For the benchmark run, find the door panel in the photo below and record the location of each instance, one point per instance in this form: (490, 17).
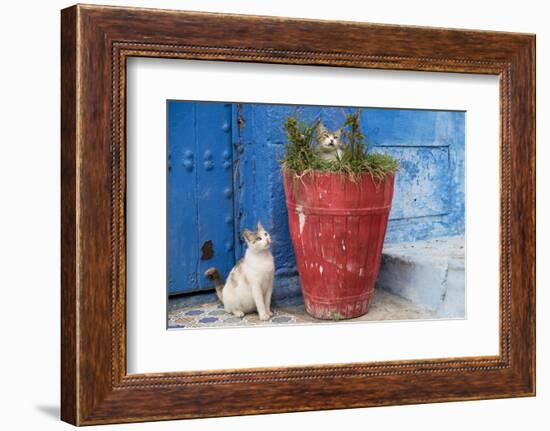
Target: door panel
(200, 193)
(214, 189)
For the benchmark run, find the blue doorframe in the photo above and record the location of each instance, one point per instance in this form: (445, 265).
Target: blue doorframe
(201, 228)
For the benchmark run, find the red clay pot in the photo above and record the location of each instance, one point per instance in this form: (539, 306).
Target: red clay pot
(337, 228)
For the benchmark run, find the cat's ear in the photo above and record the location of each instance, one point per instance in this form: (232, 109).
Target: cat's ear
(247, 235)
(259, 227)
(321, 127)
(338, 133)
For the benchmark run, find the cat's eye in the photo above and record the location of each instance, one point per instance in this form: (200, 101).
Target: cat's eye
(258, 239)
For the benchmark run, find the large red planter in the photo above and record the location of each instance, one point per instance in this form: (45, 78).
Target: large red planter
(337, 228)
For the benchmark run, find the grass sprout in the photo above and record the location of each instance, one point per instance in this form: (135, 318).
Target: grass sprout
(302, 154)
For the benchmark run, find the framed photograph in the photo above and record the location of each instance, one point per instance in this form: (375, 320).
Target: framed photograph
(329, 214)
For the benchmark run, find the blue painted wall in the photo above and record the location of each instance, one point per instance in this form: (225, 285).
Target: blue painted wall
(429, 192)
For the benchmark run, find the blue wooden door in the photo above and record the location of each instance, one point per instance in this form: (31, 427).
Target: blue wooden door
(200, 193)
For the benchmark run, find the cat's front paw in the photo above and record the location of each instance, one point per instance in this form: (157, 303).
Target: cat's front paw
(270, 313)
(265, 316)
(238, 313)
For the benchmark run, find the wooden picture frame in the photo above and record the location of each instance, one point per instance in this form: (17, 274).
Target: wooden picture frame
(95, 43)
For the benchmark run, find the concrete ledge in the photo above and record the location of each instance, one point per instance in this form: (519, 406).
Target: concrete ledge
(429, 273)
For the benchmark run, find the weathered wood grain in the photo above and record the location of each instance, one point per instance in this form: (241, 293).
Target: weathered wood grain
(96, 41)
(69, 331)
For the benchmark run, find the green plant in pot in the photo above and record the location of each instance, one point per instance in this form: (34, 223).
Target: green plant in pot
(338, 197)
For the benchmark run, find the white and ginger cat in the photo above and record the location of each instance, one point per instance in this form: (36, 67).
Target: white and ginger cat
(249, 285)
(329, 143)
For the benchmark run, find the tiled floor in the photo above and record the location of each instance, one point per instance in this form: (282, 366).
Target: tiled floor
(204, 311)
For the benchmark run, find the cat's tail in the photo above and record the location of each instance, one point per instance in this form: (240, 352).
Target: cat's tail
(214, 275)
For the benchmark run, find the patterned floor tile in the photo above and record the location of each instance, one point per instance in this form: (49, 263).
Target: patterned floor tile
(209, 313)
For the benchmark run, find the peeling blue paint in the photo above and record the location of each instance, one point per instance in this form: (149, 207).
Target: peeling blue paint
(429, 190)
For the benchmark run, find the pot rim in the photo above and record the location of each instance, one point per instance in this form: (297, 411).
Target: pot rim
(315, 172)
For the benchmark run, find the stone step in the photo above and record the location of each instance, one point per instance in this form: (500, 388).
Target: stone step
(429, 273)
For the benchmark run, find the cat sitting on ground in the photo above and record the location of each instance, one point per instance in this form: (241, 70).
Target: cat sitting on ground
(329, 143)
(249, 285)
